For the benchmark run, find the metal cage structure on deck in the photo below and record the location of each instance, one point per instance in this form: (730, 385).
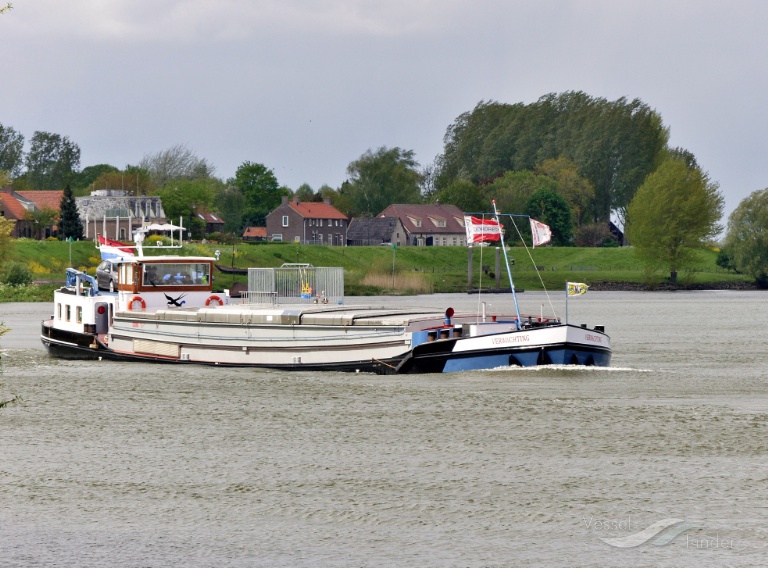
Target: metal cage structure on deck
(295, 284)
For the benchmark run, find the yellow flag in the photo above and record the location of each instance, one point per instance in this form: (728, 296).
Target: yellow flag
(576, 288)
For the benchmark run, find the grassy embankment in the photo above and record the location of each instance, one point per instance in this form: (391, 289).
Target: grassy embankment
(369, 270)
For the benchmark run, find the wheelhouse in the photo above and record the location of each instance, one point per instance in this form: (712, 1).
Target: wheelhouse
(177, 273)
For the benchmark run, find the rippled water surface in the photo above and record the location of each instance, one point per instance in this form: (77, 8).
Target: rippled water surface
(126, 464)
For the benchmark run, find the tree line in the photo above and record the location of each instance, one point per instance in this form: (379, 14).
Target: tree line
(571, 160)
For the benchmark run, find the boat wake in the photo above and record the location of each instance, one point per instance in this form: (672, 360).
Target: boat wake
(572, 369)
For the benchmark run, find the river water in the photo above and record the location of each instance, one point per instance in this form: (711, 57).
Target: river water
(128, 464)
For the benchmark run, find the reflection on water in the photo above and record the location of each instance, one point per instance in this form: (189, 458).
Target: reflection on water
(107, 464)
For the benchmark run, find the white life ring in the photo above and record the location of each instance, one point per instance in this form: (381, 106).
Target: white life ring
(138, 299)
(215, 300)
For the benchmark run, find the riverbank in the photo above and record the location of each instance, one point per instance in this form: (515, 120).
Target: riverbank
(669, 287)
(372, 271)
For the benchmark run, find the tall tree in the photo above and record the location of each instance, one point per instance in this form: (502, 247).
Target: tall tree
(305, 192)
(52, 161)
(133, 180)
(552, 209)
(229, 203)
(336, 197)
(577, 191)
(673, 213)
(260, 190)
(379, 179)
(614, 145)
(176, 162)
(513, 190)
(84, 181)
(70, 224)
(746, 242)
(181, 197)
(465, 195)
(11, 150)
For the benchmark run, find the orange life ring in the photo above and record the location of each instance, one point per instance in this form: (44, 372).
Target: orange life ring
(137, 299)
(214, 300)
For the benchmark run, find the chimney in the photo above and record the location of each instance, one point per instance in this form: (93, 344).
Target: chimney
(285, 200)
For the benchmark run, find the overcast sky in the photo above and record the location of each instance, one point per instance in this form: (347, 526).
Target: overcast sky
(307, 86)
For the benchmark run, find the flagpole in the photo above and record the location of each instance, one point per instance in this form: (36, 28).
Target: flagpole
(506, 261)
(566, 303)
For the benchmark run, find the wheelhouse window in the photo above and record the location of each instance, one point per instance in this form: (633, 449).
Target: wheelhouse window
(177, 274)
(126, 273)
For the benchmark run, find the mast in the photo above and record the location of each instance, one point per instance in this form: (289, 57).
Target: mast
(506, 262)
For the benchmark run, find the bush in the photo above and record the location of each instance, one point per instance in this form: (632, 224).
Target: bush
(27, 293)
(155, 240)
(216, 237)
(16, 274)
(725, 260)
(592, 235)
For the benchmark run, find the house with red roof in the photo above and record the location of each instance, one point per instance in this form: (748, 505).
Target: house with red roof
(429, 224)
(254, 234)
(213, 223)
(27, 208)
(310, 222)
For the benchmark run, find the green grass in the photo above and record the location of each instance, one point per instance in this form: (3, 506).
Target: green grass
(444, 268)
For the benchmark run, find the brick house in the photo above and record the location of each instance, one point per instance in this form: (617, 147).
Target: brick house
(20, 206)
(308, 223)
(429, 225)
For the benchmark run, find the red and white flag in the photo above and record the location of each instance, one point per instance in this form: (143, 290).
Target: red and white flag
(111, 250)
(541, 233)
(481, 230)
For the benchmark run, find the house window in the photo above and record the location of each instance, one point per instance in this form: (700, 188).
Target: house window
(437, 222)
(321, 222)
(297, 239)
(277, 237)
(285, 221)
(330, 238)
